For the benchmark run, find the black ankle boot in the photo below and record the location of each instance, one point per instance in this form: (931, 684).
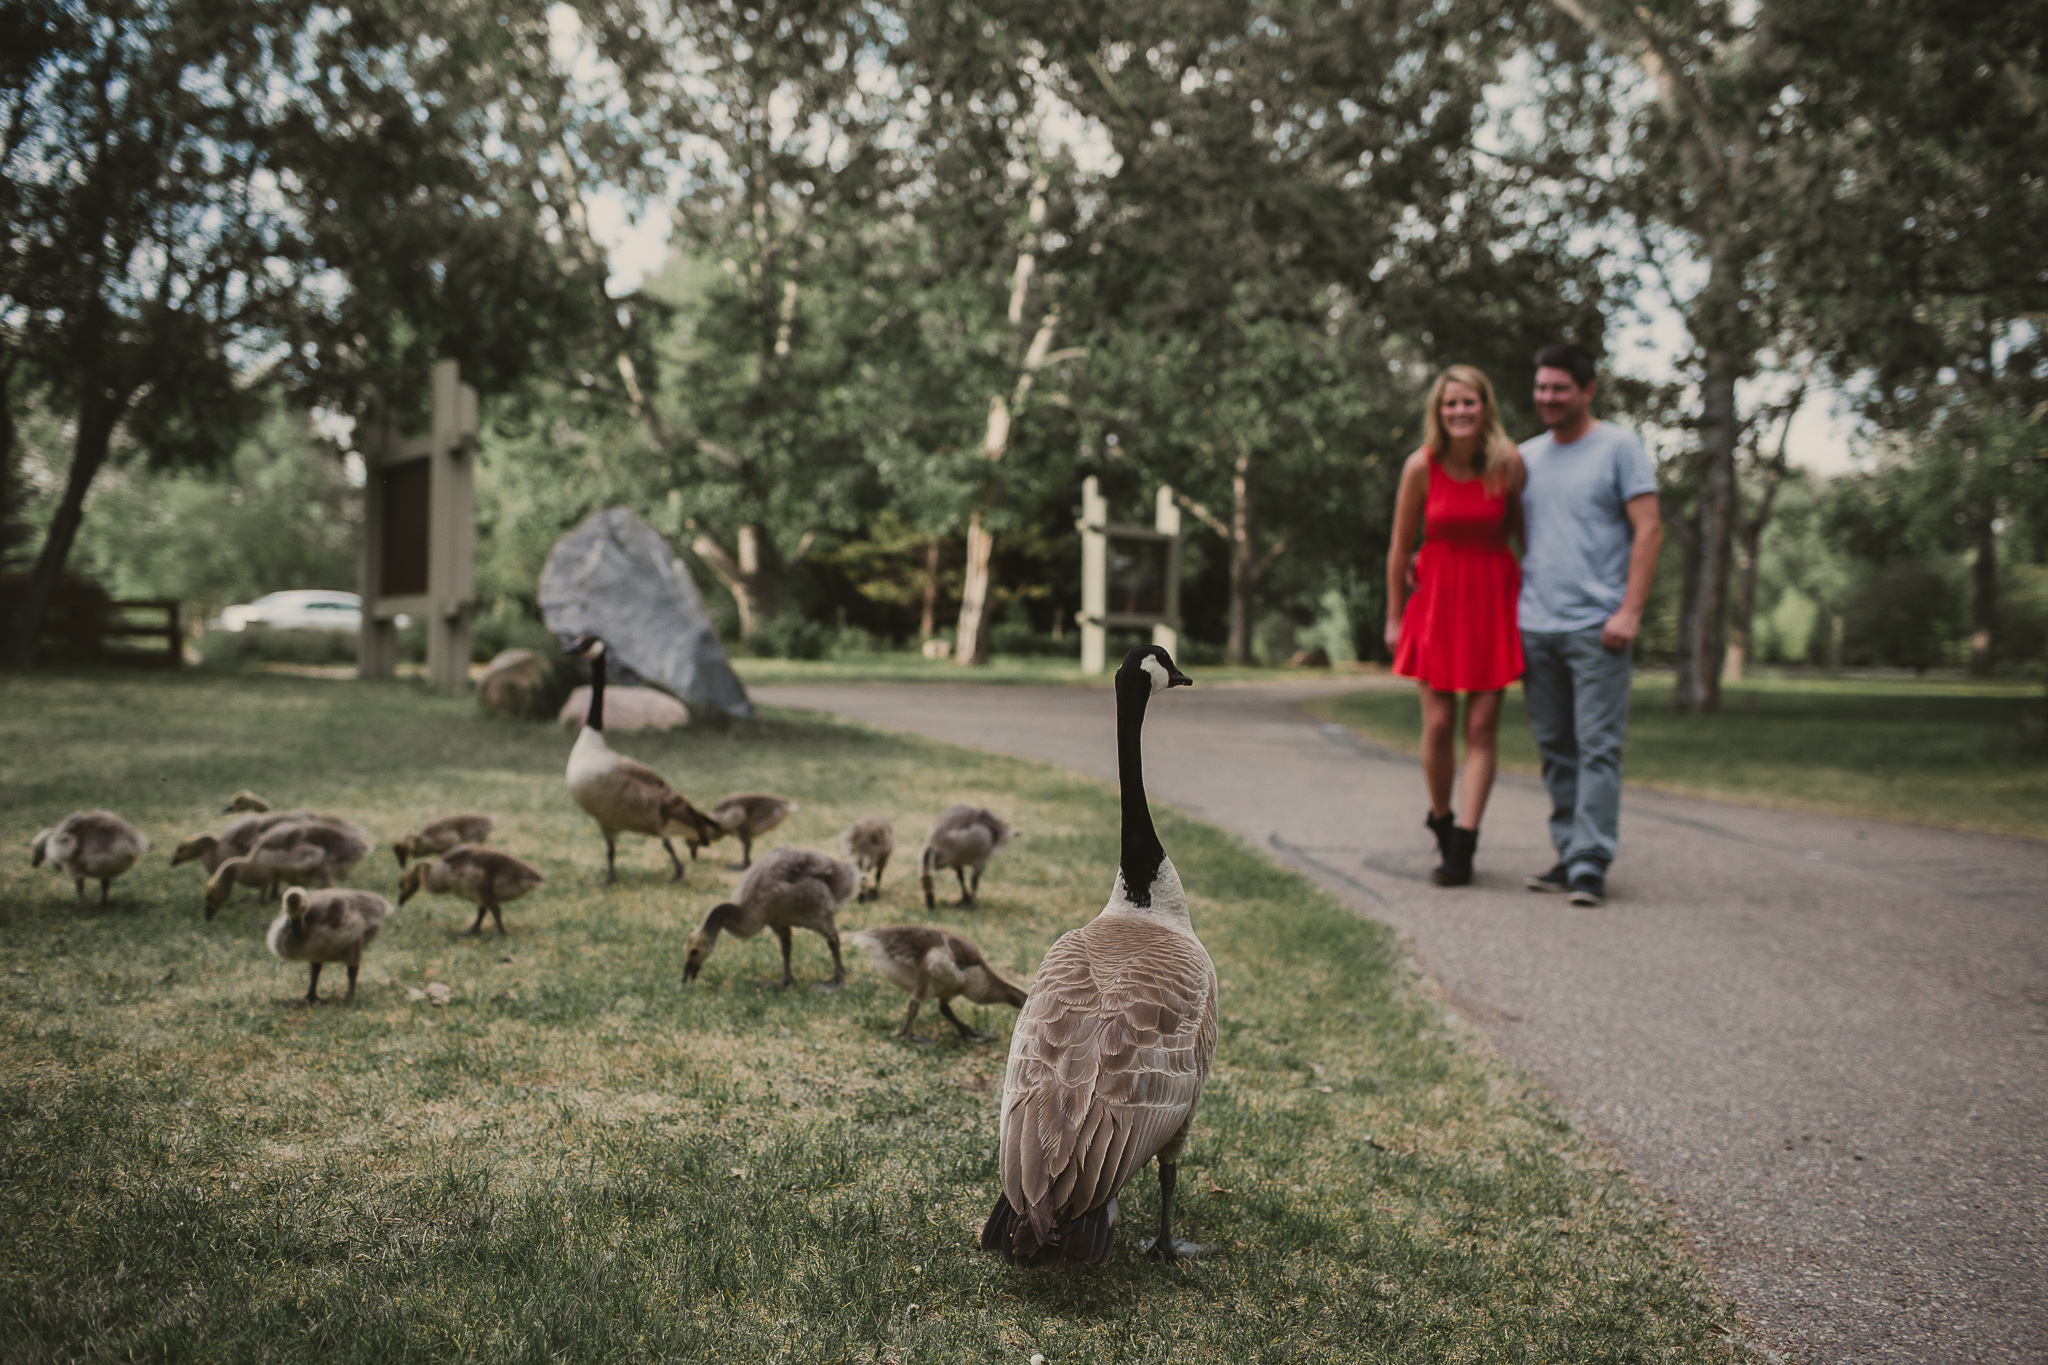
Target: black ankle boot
(1440, 826)
(1459, 847)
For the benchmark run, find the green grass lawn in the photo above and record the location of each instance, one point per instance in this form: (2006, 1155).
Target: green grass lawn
(1967, 755)
(580, 1158)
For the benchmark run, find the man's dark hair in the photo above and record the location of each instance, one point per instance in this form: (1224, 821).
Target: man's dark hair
(1576, 360)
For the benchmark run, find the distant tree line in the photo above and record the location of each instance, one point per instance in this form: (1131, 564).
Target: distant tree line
(935, 263)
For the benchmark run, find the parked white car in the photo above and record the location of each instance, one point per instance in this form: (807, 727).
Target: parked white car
(299, 609)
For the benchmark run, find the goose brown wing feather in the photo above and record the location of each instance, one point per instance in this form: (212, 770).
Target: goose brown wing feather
(1108, 1060)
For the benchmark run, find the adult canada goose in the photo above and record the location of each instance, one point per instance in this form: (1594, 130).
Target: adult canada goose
(749, 815)
(621, 795)
(438, 836)
(1110, 1054)
(964, 837)
(89, 843)
(933, 964)
(297, 853)
(871, 840)
(319, 927)
(484, 877)
(790, 888)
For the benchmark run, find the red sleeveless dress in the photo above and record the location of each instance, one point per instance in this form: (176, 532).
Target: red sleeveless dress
(1459, 633)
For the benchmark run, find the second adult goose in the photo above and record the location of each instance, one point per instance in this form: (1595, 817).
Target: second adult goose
(1110, 1054)
(621, 795)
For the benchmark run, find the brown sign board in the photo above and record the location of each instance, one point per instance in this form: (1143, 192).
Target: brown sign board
(407, 507)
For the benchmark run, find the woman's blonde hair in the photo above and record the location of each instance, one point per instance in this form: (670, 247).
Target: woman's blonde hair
(1497, 459)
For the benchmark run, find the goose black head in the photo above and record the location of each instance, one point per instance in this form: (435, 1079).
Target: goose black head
(1151, 669)
(584, 646)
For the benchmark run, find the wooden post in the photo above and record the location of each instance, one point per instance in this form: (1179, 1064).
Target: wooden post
(419, 536)
(1096, 616)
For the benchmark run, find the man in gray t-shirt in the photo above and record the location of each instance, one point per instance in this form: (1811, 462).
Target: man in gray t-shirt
(1592, 531)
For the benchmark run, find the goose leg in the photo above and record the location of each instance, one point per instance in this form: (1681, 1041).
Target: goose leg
(106, 889)
(966, 896)
(674, 861)
(971, 1035)
(1165, 1247)
(497, 918)
(478, 927)
(746, 854)
(881, 865)
(838, 966)
(313, 986)
(788, 977)
(916, 999)
(353, 968)
(974, 894)
(78, 885)
(611, 861)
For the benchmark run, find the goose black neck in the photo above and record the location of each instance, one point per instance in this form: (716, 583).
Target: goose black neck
(1142, 852)
(594, 718)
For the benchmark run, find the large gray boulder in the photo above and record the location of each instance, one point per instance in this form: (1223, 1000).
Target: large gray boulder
(615, 576)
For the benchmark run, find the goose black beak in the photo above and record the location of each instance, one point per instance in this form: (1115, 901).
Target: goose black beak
(1179, 679)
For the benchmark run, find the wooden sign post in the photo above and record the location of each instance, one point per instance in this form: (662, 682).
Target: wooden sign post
(1130, 576)
(419, 536)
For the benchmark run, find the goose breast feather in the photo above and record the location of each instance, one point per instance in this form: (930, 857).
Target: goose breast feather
(1107, 1062)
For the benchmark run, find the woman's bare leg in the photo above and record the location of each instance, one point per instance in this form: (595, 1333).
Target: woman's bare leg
(1482, 733)
(1439, 745)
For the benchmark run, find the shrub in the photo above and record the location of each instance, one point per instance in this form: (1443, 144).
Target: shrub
(231, 650)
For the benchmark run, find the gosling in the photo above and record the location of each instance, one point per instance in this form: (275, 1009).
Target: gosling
(791, 888)
(438, 836)
(306, 853)
(319, 927)
(964, 837)
(871, 840)
(933, 964)
(90, 843)
(482, 876)
(746, 814)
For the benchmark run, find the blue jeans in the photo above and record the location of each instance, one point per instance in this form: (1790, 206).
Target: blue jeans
(1577, 691)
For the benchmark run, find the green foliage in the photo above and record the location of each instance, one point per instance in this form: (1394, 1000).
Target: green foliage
(278, 514)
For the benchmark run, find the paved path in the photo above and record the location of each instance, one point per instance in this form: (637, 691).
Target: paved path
(1826, 1040)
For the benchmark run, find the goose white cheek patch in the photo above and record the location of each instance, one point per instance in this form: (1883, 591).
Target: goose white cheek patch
(1151, 666)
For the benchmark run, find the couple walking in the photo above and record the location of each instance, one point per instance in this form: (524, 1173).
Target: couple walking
(1581, 501)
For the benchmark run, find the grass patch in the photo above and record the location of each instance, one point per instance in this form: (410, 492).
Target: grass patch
(581, 1158)
(1963, 755)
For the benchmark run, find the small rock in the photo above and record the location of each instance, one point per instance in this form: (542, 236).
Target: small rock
(438, 993)
(415, 993)
(510, 683)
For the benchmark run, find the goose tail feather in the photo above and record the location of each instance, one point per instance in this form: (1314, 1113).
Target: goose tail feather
(1037, 1243)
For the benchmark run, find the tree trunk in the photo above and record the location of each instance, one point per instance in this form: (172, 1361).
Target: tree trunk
(1983, 598)
(1716, 526)
(1685, 696)
(977, 595)
(754, 577)
(1243, 573)
(10, 484)
(1743, 618)
(927, 624)
(97, 418)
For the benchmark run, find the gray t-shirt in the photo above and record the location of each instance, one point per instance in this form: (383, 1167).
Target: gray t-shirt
(1574, 509)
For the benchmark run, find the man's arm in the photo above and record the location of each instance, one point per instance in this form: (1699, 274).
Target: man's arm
(1621, 628)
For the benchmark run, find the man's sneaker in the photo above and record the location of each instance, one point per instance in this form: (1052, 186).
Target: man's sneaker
(1557, 879)
(1589, 888)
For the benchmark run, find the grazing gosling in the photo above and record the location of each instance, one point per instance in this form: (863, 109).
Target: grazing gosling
(747, 814)
(933, 964)
(484, 877)
(90, 843)
(245, 800)
(871, 840)
(791, 888)
(318, 927)
(964, 837)
(438, 836)
(297, 853)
